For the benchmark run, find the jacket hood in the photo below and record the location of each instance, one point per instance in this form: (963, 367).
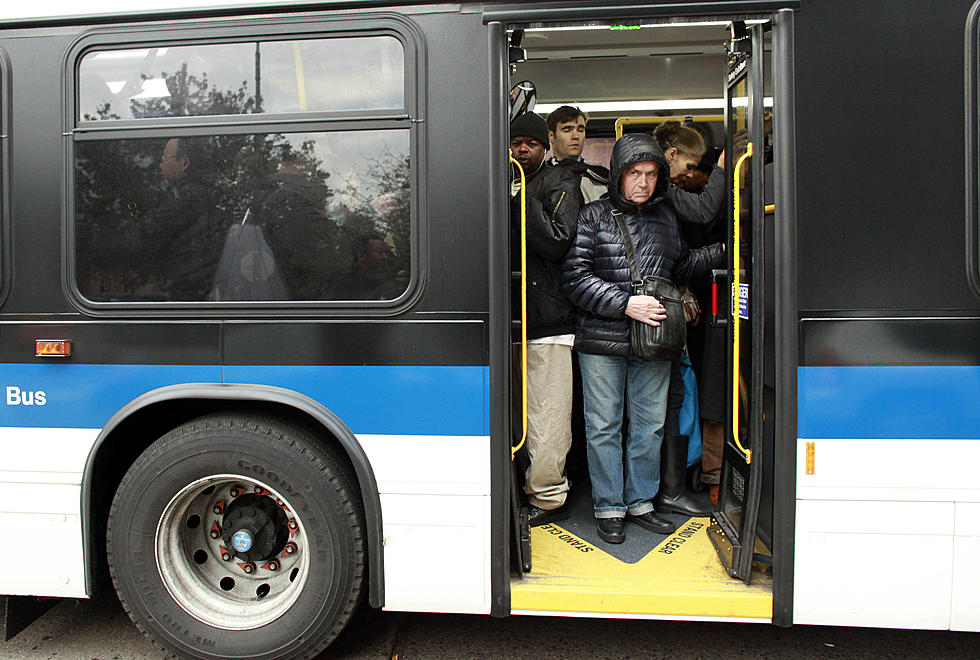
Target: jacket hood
(634, 148)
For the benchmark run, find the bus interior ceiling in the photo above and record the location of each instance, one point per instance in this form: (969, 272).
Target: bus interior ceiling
(664, 71)
(680, 70)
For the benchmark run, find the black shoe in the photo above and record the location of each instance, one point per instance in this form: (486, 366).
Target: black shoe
(611, 530)
(654, 523)
(536, 516)
(684, 503)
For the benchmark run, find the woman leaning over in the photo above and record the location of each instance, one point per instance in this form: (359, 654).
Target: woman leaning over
(625, 471)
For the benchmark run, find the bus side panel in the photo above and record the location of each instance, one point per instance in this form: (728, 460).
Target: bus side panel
(966, 568)
(886, 482)
(40, 519)
(425, 431)
(889, 410)
(415, 388)
(49, 421)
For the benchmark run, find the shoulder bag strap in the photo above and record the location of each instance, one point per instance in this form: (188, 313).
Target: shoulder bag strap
(628, 241)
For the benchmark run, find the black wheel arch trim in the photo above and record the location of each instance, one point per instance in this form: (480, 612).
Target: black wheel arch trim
(254, 393)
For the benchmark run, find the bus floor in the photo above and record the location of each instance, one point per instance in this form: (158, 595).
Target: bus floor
(677, 576)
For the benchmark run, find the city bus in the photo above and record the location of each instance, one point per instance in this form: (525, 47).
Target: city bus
(256, 321)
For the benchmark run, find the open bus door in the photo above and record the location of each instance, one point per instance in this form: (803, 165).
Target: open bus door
(734, 529)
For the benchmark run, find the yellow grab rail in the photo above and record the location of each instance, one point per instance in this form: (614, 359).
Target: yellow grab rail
(623, 121)
(737, 284)
(517, 448)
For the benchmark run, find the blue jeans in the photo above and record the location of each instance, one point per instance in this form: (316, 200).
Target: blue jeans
(625, 475)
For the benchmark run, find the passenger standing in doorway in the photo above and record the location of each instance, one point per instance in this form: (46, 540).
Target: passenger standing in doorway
(683, 148)
(625, 471)
(566, 130)
(702, 216)
(708, 340)
(552, 205)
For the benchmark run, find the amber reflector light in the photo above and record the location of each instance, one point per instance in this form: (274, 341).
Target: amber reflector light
(52, 347)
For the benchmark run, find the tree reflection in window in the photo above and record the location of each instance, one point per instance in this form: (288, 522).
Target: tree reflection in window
(153, 217)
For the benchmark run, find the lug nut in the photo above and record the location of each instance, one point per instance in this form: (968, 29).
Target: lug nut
(234, 492)
(225, 555)
(248, 567)
(292, 524)
(219, 507)
(280, 503)
(259, 490)
(272, 565)
(215, 533)
(290, 548)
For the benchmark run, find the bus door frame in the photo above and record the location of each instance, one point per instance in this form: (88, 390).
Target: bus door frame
(498, 19)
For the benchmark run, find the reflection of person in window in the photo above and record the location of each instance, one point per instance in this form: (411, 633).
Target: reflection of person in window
(184, 233)
(369, 276)
(290, 206)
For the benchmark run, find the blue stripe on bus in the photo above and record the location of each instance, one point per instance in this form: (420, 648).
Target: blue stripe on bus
(403, 400)
(388, 400)
(889, 402)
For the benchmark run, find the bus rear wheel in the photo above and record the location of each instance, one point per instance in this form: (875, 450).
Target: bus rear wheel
(234, 536)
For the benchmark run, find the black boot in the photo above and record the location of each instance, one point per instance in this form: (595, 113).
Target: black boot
(672, 497)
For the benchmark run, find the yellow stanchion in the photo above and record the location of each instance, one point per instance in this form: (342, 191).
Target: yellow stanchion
(736, 323)
(517, 448)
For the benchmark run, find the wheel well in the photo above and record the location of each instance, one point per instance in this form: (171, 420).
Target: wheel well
(123, 444)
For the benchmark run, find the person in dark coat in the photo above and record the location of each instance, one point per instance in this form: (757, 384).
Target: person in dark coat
(552, 204)
(625, 471)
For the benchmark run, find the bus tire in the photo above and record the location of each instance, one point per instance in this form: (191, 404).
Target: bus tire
(238, 536)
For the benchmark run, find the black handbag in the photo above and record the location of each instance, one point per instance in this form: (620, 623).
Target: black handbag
(661, 342)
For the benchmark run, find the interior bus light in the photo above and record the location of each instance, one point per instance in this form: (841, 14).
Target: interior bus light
(662, 24)
(52, 347)
(653, 105)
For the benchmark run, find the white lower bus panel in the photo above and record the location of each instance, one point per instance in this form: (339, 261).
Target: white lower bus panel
(966, 568)
(435, 508)
(40, 506)
(885, 534)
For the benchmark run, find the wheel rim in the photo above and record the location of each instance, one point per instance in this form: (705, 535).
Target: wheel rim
(232, 552)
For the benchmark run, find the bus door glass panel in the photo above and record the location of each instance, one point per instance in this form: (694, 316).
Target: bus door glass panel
(742, 456)
(734, 503)
(164, 219)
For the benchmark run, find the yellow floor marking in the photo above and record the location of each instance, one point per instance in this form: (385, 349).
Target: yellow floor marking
(680, 577)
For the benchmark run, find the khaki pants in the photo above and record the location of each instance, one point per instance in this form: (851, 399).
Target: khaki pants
(549, 421)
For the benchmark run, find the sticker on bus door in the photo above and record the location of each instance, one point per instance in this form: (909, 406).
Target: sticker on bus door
(743, 301)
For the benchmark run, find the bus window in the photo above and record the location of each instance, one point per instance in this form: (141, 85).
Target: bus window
(324, 75)
(325, 215)
(235, 208)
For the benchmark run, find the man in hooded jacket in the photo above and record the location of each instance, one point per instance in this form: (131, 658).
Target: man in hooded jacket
(625, 471)
(552, 204)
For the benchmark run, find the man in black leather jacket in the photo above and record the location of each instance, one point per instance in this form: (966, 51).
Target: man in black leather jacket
(625, 471)
(553, 201)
